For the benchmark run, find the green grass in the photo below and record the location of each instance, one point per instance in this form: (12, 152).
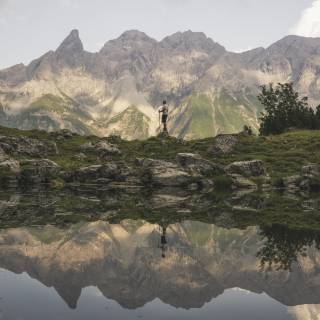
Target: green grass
(283, 154)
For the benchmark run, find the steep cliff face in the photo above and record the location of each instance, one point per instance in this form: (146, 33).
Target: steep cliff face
(125, 262)
(209, 89)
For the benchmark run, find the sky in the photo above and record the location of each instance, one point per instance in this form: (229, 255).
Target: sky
(29, 28)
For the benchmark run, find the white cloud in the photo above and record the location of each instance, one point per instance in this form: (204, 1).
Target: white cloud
(243, 49)
(309, 23)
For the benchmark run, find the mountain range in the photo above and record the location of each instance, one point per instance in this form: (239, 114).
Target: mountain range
(118, 89)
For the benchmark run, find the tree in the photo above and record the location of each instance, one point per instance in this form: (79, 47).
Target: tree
(284, 110)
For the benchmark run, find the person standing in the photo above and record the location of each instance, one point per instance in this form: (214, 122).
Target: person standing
(163, 115)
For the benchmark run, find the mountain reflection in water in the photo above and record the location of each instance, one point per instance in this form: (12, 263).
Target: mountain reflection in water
(135, 269)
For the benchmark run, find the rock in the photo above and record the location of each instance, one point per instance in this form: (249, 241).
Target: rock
(62, 134)
(35, 170)
(253, 168)
(224, 144)
(107, 148)
(240, 182)
(292, 182)
(87, 147)
(3, 155)
(28, 146)
(107, 171)
(310, 171)
(80, 156)
(194, 163)
(10, 166)
(101, 148)
(163, 173)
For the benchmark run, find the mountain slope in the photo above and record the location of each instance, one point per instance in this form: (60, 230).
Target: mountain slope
(209, 90)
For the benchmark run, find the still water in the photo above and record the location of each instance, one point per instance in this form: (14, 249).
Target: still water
(134, 269)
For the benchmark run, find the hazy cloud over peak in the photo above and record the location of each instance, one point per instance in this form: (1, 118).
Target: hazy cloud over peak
(309, 23)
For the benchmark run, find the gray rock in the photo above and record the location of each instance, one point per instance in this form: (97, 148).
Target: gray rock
(3, 155)
(240, 182)
(80, 156)
(253, 168)
(163, 173)
(62, 134)
(28, 146)
(107, 171)
(89, 146)
(107, 148)
(10, 166)
(224, 144)
(310, 170)
(101, 148)
(194, 163)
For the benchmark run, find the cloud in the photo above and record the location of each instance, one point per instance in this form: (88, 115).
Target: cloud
(309, 23)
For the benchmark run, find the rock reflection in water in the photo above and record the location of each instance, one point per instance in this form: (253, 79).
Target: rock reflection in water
(184, 265)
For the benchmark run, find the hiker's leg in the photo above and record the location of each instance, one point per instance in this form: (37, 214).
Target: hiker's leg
(165, 127)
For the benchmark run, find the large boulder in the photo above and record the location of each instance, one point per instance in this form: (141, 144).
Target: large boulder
(108, 172)
(194, 163)
(28, 146)
(252, 168)
(163, 173)
(38, 170)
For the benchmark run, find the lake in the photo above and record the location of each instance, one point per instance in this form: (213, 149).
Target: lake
(173, 266)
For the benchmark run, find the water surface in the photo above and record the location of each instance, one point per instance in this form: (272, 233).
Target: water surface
(134, 269)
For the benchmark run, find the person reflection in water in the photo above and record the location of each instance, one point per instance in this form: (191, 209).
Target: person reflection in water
(163, 240)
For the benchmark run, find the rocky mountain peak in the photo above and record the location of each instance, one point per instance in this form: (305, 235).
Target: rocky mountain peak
(296, 45)
(71, 44)
(190, 40)
(131, 39)
(135, 35)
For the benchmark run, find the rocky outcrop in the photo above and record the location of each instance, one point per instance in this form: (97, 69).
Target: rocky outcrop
(62, 134)
(195, 164)
(38, 171)
(308, 179)
(105, 173)
(10, 166)
(224, 144)
(310, 171)
(23, 145)
(163, 173)
(101, 148)
(3, 155)
(252, 168)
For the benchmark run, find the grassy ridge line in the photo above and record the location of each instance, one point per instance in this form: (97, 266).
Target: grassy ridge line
(284, 154)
